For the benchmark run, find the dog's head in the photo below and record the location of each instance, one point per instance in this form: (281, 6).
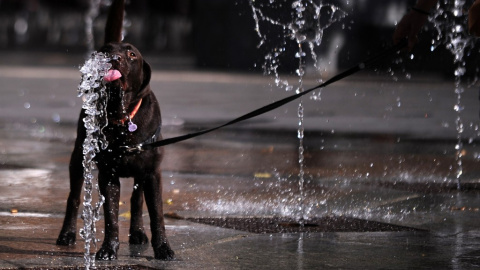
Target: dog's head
(129, 77)
(132, 73)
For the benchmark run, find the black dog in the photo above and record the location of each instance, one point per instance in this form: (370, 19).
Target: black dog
(130, 98)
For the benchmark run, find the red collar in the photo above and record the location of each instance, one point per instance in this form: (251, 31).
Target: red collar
(131, 115)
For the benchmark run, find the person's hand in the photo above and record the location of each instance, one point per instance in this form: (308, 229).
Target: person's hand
(409, 27)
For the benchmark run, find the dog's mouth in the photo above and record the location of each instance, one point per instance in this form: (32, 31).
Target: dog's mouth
(112, 75)
(114, 78)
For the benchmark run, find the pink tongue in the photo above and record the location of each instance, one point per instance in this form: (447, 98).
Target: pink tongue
(112, 75)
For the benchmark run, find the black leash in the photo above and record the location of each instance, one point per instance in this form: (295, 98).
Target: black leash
(366, 64)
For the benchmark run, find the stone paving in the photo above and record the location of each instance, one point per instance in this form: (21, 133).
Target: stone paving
(376, 149)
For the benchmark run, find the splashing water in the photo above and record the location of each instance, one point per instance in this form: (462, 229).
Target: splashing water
(304, 24)
(94, 94)
(450, 23)
(305, 28)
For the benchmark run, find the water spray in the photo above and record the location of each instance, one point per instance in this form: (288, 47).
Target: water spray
(93, 91)
(450, 23)
(305, 29)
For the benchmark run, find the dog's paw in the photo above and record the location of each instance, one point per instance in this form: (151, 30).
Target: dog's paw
(164, 252)
(138, 238)
(66, 239)
(107, 252)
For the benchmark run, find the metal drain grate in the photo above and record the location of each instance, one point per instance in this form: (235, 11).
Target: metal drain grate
(288, 225)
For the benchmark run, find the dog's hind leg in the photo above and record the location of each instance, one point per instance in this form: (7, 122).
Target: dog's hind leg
(137, 231)
(110, 188)
(153, 198)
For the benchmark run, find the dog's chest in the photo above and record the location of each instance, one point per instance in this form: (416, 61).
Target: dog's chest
(118, 134)
(117, 162)
(113, 156)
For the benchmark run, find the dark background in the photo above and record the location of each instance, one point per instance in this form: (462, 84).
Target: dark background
(215, 34)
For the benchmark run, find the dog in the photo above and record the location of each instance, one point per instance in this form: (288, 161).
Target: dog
(130, 99)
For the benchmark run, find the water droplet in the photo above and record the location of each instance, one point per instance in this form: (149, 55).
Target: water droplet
(56, 118)
(460, 71)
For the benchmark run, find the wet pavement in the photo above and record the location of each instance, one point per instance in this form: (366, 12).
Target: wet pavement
(377, 149)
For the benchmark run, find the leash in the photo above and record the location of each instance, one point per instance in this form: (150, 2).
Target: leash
(132, 149)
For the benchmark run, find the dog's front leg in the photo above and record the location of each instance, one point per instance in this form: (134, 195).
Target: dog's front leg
(68, 233)
(153, 198)
(110, 189)
(137, 231)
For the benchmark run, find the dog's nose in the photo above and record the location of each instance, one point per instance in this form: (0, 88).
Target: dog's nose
(116, 57)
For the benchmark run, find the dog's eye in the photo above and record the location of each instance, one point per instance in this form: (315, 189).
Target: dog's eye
(132, 54)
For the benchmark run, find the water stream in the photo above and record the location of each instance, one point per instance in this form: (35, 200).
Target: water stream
(450, 22)
(305, 29)
(94, 94)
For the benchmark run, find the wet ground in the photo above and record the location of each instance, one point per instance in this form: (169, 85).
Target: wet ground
(378, 151)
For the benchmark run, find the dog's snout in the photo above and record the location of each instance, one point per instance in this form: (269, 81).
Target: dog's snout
(116, 57)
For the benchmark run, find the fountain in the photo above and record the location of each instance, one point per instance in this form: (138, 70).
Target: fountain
(305, 29)
(450, 23)
(93, 91)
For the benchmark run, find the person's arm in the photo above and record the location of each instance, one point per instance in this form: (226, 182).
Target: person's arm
(411, 24)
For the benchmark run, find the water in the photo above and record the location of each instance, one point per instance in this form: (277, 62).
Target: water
(94, 94)
(305, 28)
(279, 24)
(450, 22)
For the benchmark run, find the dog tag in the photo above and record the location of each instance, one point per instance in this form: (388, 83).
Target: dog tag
(132, 127)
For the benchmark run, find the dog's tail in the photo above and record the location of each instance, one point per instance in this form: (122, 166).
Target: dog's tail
(113, 28)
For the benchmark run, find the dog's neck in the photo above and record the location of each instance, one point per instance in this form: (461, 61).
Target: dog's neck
(132, 114)
(129, 115)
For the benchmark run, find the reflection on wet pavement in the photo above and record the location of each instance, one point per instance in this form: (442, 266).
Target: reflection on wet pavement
(231, 173)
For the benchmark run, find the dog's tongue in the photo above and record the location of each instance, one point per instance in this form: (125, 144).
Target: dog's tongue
(112, 75)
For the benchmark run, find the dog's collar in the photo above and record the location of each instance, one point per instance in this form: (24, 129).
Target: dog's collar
(130, 116)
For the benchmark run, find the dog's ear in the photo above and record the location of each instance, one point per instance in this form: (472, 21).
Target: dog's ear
(147, 74)
(113, 28)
